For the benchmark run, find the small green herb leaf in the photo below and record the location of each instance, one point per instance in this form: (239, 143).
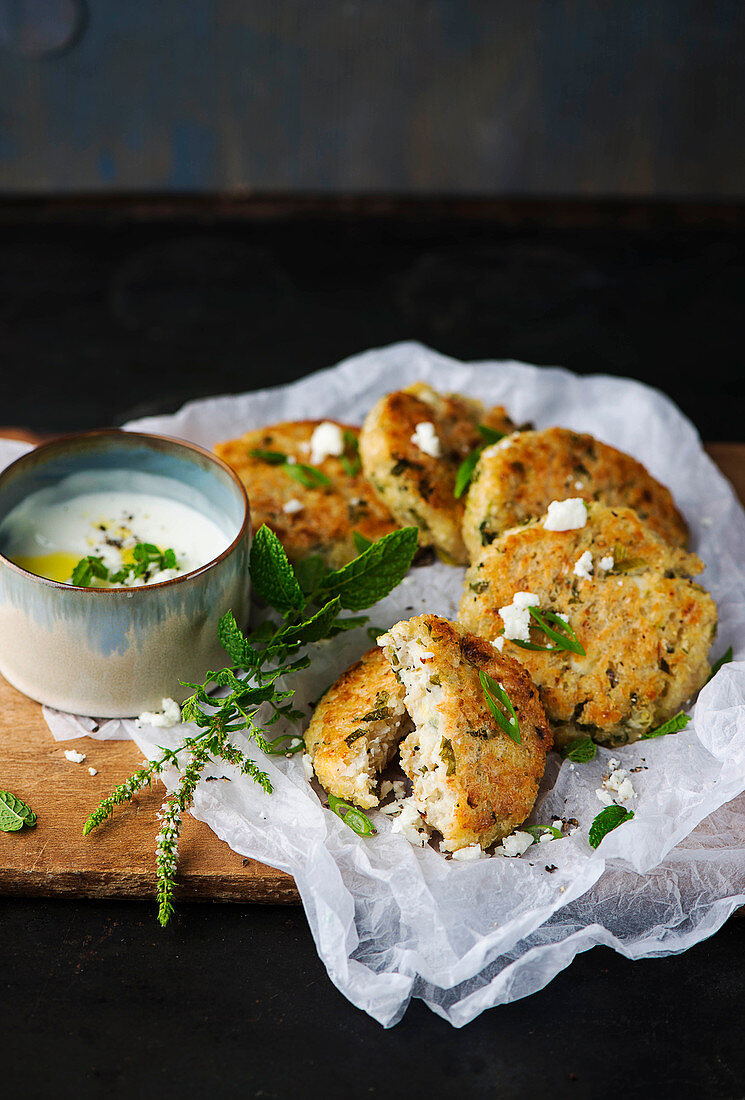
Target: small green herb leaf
(312, 629)
(273, 458)
(537, 831)
(489, 435)
(88, 568)
(310, 572)
(350, 460)
(723, 660)
(272, 575)
(606, 821)
(309, 476)
(673, 725)
(357, 821)
(360, 542)
(14, 814)
(465, 472)
(580, 751)
(376, 572)
(494, 691)
(235, 642)
(285, 745)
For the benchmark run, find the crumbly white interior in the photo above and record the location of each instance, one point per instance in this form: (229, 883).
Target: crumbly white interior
(371, 752)
(432, 794)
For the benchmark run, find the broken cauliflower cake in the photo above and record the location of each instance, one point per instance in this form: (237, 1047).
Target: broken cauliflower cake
(471, 781)
(356, 728)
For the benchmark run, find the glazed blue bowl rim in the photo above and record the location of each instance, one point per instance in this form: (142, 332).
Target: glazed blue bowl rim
(144, 438)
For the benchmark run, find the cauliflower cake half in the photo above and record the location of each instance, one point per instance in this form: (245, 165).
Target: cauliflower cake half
(412, 444)
(304, 480)
(517, 478)
(471, 781)
(356, 728)
(645, 626)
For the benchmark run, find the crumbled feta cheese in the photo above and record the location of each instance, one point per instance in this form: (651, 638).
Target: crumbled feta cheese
(517, 843)
(327, 439)
(557, 823)
(473, 851)
(291, 460)
(168, 715)
(498, 643)
(706, 521)
(92, 771)
(617, 787)
(426, 439)
(604, 796)
(74, 757)
(583, 566)
(606, 562)
(566, 515)
(307, 766)
(579, 485)
(516, 617)
(411, 825)
(292, 506)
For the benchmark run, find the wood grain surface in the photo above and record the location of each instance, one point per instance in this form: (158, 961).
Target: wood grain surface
(117, 860)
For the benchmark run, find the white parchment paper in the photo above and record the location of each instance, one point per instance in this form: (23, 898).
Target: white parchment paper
(392, 922)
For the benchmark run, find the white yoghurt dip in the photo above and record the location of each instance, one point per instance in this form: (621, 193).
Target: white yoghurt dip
(52, 529)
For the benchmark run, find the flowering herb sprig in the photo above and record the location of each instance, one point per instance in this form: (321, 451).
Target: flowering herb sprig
(310, 600)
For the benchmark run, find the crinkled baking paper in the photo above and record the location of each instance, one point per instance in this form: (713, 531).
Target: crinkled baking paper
(393, 922)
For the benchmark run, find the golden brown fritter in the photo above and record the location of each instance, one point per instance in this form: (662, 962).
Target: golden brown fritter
(471, 780)
(516, 480)
(645, 626)
(418, 487)
(355, 729)
(317, 520)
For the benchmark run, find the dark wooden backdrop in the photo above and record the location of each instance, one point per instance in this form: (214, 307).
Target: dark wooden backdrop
(486, 97)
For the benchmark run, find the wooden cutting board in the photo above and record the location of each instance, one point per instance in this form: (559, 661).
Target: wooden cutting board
(117, 860)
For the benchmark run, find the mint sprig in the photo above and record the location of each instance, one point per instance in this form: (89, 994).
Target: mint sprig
(310, 601)
(606, 821)
(580, 751)
(673, 725)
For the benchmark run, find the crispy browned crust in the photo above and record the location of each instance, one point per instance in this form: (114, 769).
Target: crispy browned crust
(416, 487)
(330, 514)
(495, 781)
(341, 735)
(645, 625)
(516, 483)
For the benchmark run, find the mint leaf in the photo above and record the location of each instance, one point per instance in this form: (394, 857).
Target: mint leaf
(88, 568)
(465, 472)
(581, 751)
(272, 458)
(235, 643)
(376, 572)
(494, 691)
(312, 630)
(673, 725)
(14, 814)
(360, 542)
(271, 573)
(606, 821)
(310, 572)
(308, 476)
(723, 660)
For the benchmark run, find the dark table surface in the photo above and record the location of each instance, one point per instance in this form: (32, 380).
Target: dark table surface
(108, 312)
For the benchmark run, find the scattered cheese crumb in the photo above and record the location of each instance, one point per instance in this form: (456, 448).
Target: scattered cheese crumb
(557, 823)
(706, 521)
(517, 843)
(92, 771)
(606, 562)
(617, 787)
(292, 506)
(426, 439)
(327, 439)
(74, 757)
(516, 617)
(411, 824)
(566, 515)
(168, 715)
(307, 766)
(473, 851)
(498, 643)
(579, 485)
(583, 566)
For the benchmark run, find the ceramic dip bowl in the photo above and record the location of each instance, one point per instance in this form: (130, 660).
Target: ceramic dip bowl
(117, 651)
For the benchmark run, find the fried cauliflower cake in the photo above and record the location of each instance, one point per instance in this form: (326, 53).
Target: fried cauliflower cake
(315, 500)
(516, 479)
(645, 626)
(411, 445)
(472, 782)
(356, 728)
